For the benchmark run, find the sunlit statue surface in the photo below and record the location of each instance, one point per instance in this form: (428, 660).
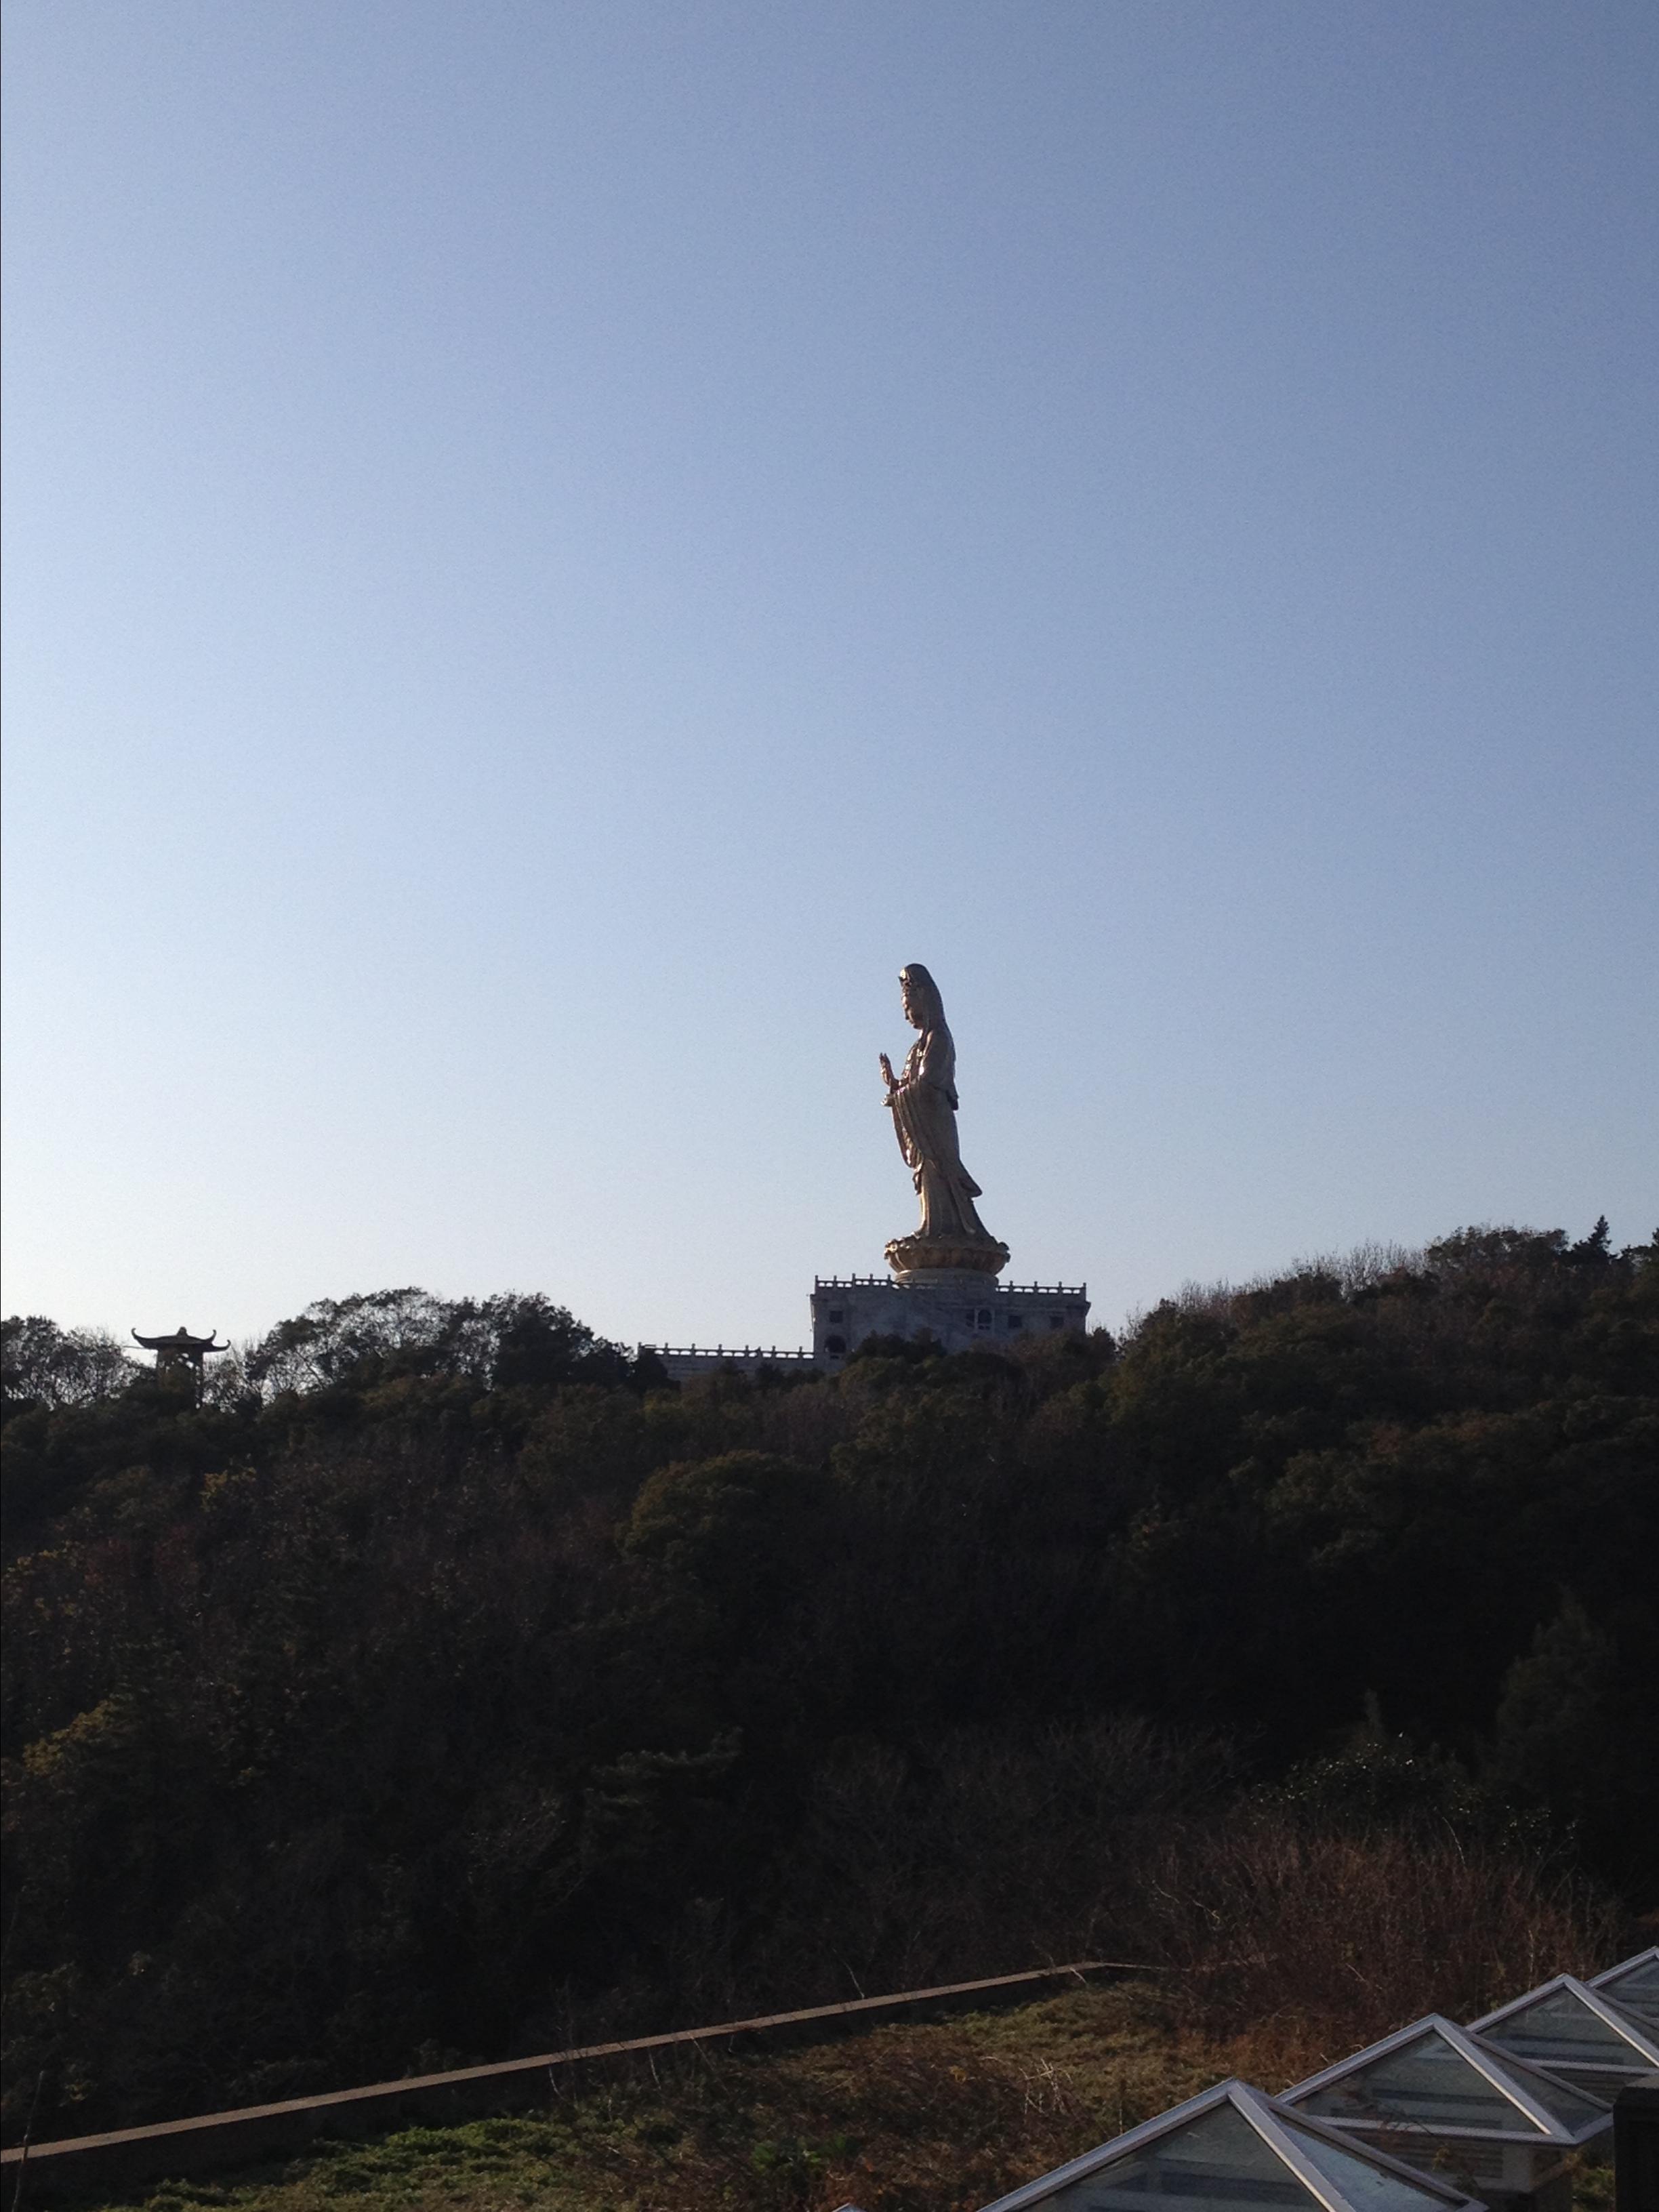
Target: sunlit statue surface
(922, 1098)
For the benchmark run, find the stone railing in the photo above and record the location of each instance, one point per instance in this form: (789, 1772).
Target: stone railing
(746, 1352)
(1003, 1290)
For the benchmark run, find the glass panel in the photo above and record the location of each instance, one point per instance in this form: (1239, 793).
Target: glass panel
(1636, 1990)
(1427, 2083)
(1366, 2187)
(1218, 2161)
(1568, 2105)
(1560, 2028)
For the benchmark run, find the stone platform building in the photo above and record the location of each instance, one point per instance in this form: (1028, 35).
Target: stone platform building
(957, 1314)
(848, 1309)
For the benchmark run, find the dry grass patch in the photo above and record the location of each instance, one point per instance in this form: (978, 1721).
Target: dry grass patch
(1304, 1945)
(921, 2117)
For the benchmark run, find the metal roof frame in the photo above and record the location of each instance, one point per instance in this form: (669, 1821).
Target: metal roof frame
(1498, 2068)
(1648, 1958)
(1644, 2046)
(1263, 2114)
(1605, 1981)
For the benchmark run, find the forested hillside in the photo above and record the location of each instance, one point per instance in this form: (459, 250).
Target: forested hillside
(448, 1685)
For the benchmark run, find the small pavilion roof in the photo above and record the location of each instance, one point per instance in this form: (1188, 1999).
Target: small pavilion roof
(1236, 2148)
(180, 1340)
(1566, 2022)
(1437, 2079)
(1634, 1985)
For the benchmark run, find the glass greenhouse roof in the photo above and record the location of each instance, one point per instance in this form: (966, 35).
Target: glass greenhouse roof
(1436, 2077)
(1368, 2186)
(1233, 2148)
(1564, 2024)
(1218, 2160)
(1634, 1985)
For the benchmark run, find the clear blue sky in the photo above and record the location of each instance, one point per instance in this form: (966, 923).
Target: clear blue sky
(552, 547)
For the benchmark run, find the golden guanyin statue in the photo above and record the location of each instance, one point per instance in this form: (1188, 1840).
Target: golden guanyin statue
(922, 1099)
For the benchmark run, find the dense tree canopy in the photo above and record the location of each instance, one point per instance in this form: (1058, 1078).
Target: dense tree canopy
(446, 1679)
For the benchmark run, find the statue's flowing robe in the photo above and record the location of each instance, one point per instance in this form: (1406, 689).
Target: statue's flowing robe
(924, 1104)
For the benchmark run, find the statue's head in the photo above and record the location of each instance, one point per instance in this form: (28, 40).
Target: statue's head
(924, 1009)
